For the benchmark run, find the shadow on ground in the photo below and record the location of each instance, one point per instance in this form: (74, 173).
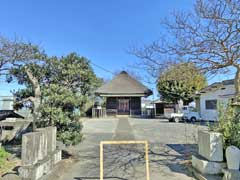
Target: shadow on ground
(185, 150)
(127, 162)
(97, 178)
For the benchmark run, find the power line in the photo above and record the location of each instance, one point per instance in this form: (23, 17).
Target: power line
(104, 69)
(98, 66)
(108, 71)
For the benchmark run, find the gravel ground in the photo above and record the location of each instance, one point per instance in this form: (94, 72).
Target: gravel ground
(170, 148)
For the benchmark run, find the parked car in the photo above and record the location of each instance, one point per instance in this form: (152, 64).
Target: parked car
(176, 117)
(191, 114)
(187, 113)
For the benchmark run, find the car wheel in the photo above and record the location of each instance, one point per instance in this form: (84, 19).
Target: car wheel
(177, 120)
(193, 119)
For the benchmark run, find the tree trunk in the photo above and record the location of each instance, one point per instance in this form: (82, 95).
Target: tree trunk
(36, 100)
(237, 81)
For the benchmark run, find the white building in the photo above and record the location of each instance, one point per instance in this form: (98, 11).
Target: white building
(6, 102)
(210, 97)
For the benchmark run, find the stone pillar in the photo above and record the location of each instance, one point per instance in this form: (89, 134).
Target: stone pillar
(42, 151)
(51, 139)
(30, 148)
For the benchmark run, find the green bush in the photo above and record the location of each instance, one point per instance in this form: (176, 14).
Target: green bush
(229, 125)
(3, 156)
(69, 133)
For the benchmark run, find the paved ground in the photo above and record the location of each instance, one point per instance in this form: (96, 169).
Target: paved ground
(170, 146)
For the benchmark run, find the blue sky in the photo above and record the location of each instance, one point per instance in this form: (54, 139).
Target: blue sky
(101, 30)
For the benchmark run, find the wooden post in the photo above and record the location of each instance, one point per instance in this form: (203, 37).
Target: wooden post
(130, 107)
(93, 112)
(154, 105)
(147, 161)
(101, 161)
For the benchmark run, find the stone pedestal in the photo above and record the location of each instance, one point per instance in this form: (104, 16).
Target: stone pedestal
(207, 167)
(39, 153)
(36, 171)
(210, 145)
(231, 174)
(210, 153)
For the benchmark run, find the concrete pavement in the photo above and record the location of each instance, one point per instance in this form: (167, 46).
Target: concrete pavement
(170, 146)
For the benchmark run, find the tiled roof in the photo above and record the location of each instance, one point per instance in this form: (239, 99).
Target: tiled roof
(217, 85)
(9, 114)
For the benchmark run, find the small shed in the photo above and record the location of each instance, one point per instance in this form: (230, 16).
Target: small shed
(123, 95)
(163, 108)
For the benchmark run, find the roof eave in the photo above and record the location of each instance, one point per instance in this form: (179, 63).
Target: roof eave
(122, 94)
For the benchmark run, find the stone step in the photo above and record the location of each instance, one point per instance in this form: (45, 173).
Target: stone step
(200, 176)
(207, 167)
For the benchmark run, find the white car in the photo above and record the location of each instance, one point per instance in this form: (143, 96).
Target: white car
(187, 114)
(176, 117)
(190, 114)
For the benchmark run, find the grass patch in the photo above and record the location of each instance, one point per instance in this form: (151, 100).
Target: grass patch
(5, 165)
(3, 157)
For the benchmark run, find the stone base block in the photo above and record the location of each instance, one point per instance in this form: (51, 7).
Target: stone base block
(231, 174)
(11, 177)
(57, 156)
(210, 145)
(200, 176)
(36, 171)
(43, 167)
(207, 167)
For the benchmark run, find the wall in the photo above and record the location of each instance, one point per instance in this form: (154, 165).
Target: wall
(159, 109)
(135, 105)
(6, 102)
(111, 103)
(222, 96)
(111, 106)
(15, 128)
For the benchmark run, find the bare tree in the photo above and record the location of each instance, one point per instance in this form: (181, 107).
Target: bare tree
(152, 61)
(20, 55)
(208, 36)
